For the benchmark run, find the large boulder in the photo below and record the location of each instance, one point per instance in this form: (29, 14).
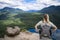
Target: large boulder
(12, 31)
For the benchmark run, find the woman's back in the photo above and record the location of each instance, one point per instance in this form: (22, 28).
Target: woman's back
(45, 27)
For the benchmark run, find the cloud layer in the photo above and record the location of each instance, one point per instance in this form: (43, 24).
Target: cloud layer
(28, 5)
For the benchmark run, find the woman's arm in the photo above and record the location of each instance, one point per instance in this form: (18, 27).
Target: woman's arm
(36, 26)
(53, 26)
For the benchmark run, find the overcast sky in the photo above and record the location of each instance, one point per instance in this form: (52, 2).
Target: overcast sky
(28, 4)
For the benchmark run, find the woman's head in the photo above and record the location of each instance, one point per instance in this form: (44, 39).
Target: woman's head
(46, 17)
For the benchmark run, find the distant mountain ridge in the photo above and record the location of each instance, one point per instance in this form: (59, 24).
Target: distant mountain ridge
(51, 9)
(12, 10)
(32, 11)
(6, 8)
(16, 10)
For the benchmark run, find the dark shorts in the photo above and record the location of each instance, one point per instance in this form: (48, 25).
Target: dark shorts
(42, 30)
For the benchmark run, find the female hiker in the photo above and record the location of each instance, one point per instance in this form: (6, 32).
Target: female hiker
(44, 26)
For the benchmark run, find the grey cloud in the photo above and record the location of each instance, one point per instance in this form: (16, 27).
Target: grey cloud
(4, 3)
(8, 4)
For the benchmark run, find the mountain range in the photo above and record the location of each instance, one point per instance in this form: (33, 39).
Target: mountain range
(51, 9)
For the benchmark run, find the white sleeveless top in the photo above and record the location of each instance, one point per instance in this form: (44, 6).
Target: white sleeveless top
(45, 26)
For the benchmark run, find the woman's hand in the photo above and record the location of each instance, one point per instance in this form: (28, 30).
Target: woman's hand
(53, 30)
(37, 30)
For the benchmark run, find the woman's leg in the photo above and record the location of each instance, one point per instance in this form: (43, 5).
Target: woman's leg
(50, 32)
(40, 34)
